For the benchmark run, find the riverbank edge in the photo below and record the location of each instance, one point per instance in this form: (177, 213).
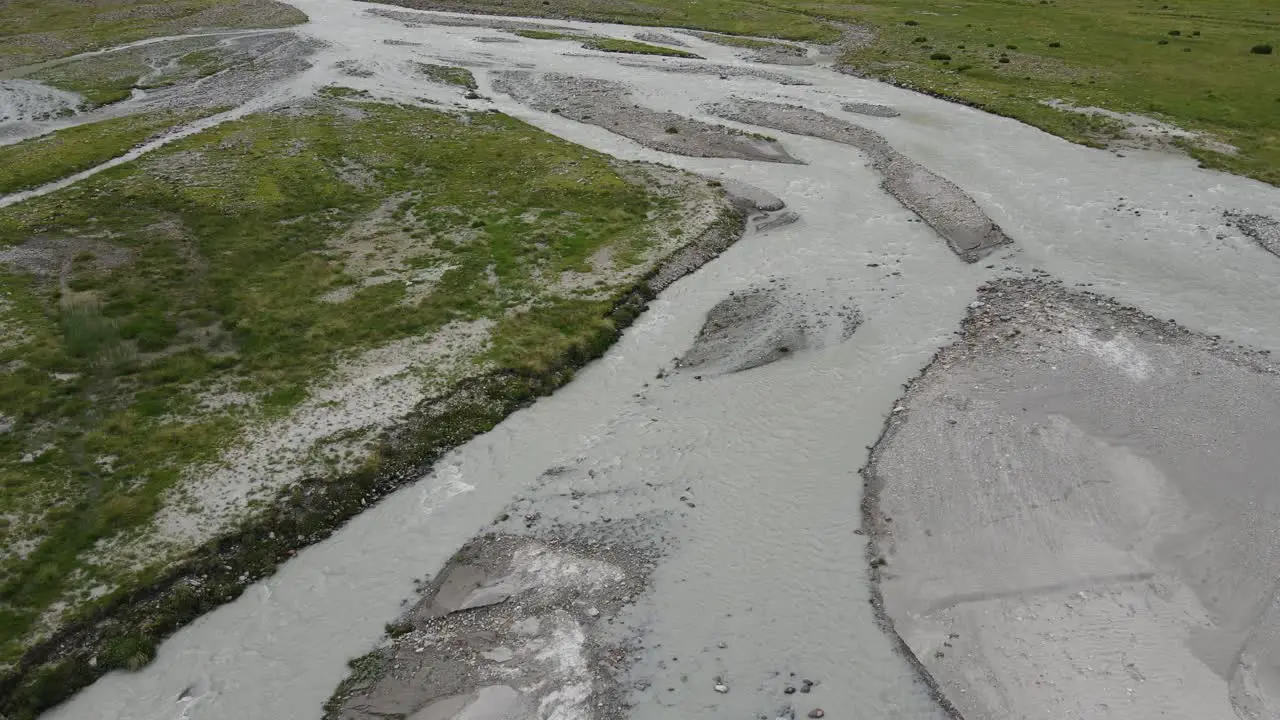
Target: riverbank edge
(874, 527)
(124, 630)
(1206, 158)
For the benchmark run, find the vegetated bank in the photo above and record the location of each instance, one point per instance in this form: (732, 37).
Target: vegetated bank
(607, 44)
(33, 31)
(1193, 65)
(216, 354)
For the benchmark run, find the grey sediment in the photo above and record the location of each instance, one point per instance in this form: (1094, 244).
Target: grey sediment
(123, 629)
(661, 39)
(762, 325)
(870, 109)
(1261, 229)
(769, 51)
(782, 219)
(605, 103)
(523, 616)
(477, 21)
(991, 407)
(724, 71)
(967, 230)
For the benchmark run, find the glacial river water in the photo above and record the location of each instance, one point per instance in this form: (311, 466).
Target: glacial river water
(768, 563)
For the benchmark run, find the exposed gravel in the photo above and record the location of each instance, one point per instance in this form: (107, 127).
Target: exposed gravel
(419, 19)
(513, 627)
(750, 197)
(772, 52)
(1261, 229)
(661, 39)
(870, 109)
(23, 101)
(763, 325)
(607, 104)
(1060, 500)
(939, 202)
(724, 71)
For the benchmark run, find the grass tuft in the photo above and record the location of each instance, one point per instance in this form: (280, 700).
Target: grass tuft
(448, 74)
(637, 48)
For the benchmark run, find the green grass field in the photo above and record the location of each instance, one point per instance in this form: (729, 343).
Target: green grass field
(201, 266)
(1189, 63)
(66, 152)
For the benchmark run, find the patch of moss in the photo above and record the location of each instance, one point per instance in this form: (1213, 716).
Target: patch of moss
(607, 44)
(342, 91)
(547, 35)
(448, 74)
(634, 47)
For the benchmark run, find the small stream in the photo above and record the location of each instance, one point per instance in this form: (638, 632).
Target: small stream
(768, 564)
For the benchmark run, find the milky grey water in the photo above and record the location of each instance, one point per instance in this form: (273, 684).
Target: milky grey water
(768, 563)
